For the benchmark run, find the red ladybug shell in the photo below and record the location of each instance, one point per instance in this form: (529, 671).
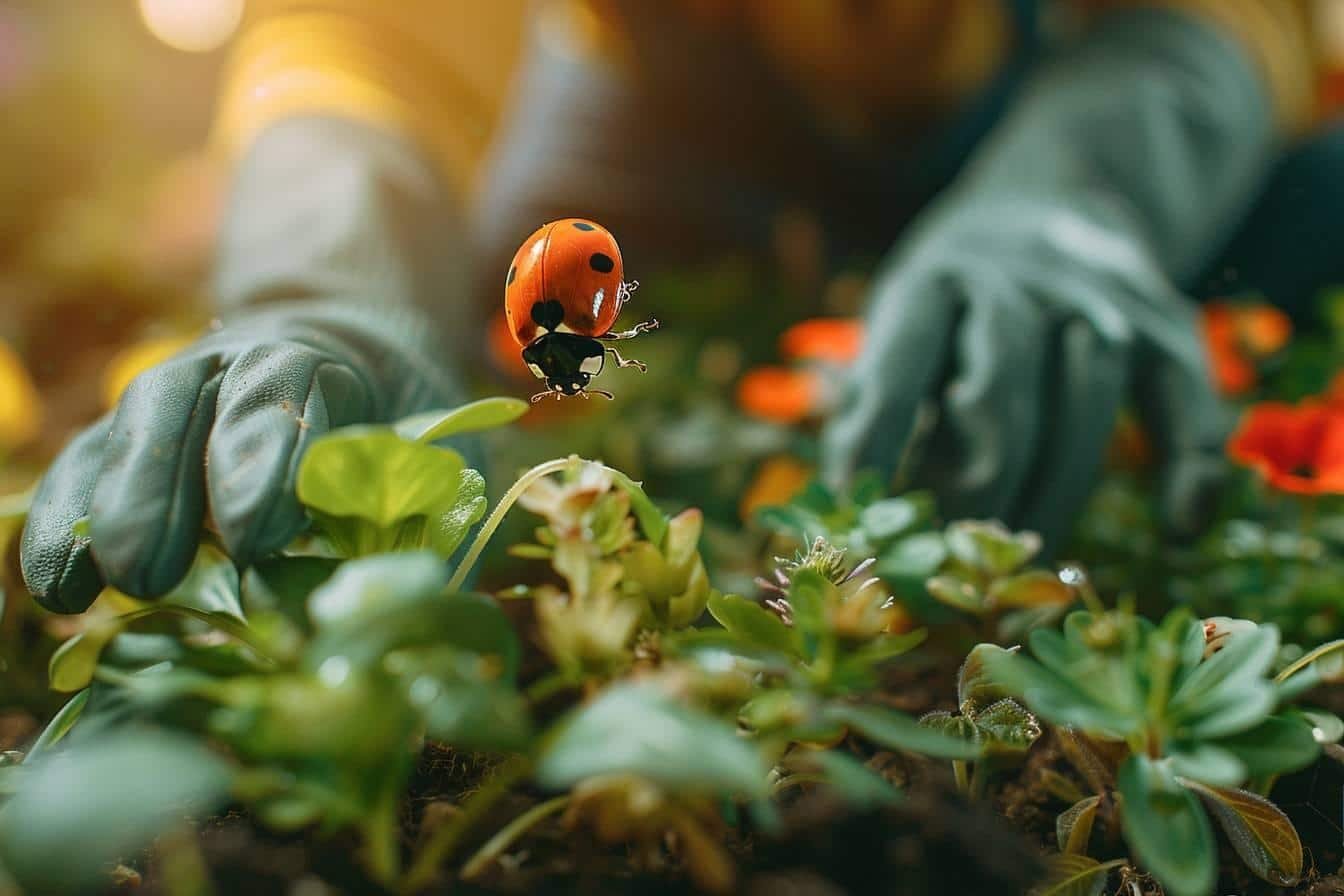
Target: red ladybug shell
(573, 262)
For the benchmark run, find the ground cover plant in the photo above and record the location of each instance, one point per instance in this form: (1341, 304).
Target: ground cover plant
(673, 670)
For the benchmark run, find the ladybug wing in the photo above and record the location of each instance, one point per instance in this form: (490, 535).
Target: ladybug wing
(583, 272)
(524, 287)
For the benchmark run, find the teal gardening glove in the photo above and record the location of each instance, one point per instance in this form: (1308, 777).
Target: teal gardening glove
(335, 242)
(1038, 295)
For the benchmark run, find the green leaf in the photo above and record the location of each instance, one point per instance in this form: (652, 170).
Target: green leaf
(991, 548)
(370, 584)
(1006, 727)
(957, 593)
(371, 474)
(1167, 828)
(913, 558)
(637, 729)
(488, 413)
(807, 598)
(1259, 831)
(897, 731)
(1073, 826)
(72, 664)
(959, 727)
(652, 521)
(283, 584)
(80, 809)
(1239, 666)
(59, 726)
(1208, 763)
(854, 782)
(1072, 875)
(1326, 727)
(1034, 588)
(446, 533)
(467, 622)
(1278, 745)
(470, 715)
(211, 585)
(752, 622)
(976, 687)
(889, 518)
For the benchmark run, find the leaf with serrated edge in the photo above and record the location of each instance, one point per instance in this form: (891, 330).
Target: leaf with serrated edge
(1259, 831)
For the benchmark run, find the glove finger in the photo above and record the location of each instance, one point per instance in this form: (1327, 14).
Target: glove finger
(274, 401)
(1189, 425)
(147, 506)
(1089, 373)
(982, 449)
(906, 345)
(58, 566)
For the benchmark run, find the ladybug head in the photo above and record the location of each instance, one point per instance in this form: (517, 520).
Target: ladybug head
(569, 383)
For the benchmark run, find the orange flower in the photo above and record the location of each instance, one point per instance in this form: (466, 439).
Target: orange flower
(1238, 337)
(1297, 448)
(778, 480)
(779, 394)
(834, 339)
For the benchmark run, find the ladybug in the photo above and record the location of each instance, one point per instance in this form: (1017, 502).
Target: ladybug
(562, 295)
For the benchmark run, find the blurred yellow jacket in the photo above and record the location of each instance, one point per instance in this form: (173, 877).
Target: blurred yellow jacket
(440, 70)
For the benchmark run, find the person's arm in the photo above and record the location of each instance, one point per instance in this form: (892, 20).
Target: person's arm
(342, 284)
(1042, 289)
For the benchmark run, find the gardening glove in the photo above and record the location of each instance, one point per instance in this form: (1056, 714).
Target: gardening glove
(1037, 296)
(338, 215)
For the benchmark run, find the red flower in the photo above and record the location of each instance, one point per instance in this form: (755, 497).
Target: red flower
(1238, 337)
(1297, 448)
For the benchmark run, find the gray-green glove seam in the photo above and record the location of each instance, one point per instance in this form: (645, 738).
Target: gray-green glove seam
(339, 241)
(1038, 293)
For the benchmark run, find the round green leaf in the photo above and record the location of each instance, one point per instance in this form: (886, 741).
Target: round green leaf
(83, 808)
(369, 584)
(372, 474)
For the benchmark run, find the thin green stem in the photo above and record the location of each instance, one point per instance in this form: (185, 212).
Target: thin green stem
(505, 503)
(446, 839)
(509, 834)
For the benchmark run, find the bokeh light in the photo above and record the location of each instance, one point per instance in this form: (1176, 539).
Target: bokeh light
(192, 25)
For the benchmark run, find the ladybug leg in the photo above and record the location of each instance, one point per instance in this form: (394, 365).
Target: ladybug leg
(642, 327)
(622, 362)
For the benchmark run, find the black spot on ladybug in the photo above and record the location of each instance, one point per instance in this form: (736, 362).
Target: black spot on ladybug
(548, 315)
(583, 225)
(601, 262)
(513, 272)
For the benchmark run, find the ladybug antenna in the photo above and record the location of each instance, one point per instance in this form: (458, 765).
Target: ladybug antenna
(625, 289)
(540, 395)
(603, 392)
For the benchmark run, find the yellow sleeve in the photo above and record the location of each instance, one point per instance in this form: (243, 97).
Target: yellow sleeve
(1276, 33)
(437, 71)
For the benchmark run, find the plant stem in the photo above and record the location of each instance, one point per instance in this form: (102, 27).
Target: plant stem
(507, 835)
(959, 772)
(505, 503)
(444, 841)
(549, 684)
